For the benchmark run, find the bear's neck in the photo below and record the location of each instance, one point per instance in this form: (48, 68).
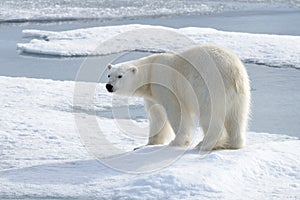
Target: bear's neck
(145, 90)
(145, 70)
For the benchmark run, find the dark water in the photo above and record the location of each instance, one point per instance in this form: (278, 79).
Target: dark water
(12, 64)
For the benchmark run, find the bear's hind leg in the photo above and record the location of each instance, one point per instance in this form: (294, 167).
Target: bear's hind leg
(182, 124)
(236, 132)
(236, 121)
(214, 140)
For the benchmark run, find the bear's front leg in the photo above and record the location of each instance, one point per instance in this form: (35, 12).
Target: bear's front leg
(160, 130)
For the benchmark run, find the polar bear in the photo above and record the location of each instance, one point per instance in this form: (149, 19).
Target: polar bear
(207, 83)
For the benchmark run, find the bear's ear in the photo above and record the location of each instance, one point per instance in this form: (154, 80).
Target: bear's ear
(133, 69)
(109, 66)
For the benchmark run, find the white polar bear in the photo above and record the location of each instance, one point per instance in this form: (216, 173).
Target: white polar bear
(208, 82)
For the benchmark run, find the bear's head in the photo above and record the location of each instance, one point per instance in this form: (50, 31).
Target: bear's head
(121, 79)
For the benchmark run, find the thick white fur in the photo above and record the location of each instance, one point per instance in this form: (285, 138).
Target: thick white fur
(177, 87)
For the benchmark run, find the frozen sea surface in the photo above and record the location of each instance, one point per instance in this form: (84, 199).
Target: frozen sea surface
(15, 11)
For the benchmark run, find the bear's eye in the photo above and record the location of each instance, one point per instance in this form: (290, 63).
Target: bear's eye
(120, 76)
(108, 76)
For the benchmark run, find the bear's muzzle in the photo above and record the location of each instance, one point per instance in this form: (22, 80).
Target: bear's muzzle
(109, 87)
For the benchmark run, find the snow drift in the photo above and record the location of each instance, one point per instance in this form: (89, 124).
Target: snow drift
(42, 155)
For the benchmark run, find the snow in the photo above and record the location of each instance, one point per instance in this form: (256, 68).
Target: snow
(42, 155)
(267, 49)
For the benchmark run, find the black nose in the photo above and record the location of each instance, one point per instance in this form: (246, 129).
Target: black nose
(109, 87)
